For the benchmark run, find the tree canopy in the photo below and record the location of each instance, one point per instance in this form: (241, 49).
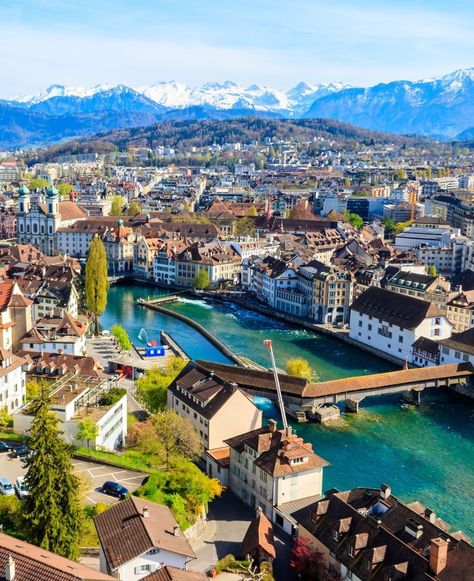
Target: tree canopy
(117, 206)
(38, 184)
(152, 386)
(52, 510)
(134, 209)
(201, 280)
(355, 220)
(299, 367)
(96, 283)
(122, 337)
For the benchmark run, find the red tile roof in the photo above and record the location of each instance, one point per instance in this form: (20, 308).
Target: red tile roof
(35, 564)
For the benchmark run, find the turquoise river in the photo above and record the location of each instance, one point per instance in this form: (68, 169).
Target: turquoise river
(425, 453)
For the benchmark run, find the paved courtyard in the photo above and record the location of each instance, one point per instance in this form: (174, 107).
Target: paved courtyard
(227, 523)
(96, 475)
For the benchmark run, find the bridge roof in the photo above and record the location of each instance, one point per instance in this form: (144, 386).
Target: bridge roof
(293, 386)
(381, 380)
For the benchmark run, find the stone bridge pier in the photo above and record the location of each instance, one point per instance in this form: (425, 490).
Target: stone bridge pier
(352, 405)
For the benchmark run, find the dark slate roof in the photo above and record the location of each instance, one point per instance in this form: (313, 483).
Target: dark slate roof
(211, 391)
(461, 341)
(372, 539)
(401, 310)
(465, 279)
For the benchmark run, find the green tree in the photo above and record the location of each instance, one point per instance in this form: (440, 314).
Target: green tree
(253, 211)
(176, 435)
(245, 227)
(299, 367)
(64, 190)
(355, 220)
(88, 430)
(52, 511)
(96, 281)
(153, 385)
(38, 184)
(117, 205)
(5, 419)
(399, 175)
(389, 225)
(400, 226)
(433, 271)
(122, 337)
(201, 280)
(134, 209)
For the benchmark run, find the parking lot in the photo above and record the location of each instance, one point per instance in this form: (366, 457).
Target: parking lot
(95, 474)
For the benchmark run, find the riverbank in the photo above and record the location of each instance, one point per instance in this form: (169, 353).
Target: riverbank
(330, 331)
(424, 453)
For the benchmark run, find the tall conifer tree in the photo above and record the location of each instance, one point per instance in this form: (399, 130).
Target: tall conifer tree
(52, 510)
(97, 282)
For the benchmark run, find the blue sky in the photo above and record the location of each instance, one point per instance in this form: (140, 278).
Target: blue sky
(279, 43)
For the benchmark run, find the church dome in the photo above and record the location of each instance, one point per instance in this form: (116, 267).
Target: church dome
(23, 191)
(120, 222)
(52, 192)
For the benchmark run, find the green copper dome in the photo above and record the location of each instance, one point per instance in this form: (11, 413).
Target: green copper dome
(23, 191)
(120, 222)
(52, 192)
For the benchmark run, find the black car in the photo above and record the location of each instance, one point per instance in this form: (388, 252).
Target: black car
(4, 447)
(21, 452)
(114, 489)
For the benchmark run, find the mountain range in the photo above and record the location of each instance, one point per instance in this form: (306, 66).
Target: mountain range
(441, 107)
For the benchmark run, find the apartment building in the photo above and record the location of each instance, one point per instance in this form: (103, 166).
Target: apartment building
(217, 408)
(271, 469)
(433, 289)
(391, 322)
(367, 533)
(57, 334)
(328, 290)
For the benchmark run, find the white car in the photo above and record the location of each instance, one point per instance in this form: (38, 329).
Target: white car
(6, 487)
(21, 487)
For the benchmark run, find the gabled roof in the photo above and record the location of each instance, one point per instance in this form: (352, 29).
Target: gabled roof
(259, 535)
(278, 451)
(401, 310)
(36, 564)
(173, 574)
(125, 533)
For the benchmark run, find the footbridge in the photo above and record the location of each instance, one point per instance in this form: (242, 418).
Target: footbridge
(302, 396)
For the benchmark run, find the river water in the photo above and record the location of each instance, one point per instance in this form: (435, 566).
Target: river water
(425, 454)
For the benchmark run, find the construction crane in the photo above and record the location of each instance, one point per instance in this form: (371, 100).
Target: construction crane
(269, 345)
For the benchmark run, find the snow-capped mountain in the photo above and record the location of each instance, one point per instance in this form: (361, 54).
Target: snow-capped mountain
(441, 106)
(226, 95)
(62, 91)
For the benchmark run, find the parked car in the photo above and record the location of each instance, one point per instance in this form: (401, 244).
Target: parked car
(4, 447)
(6, 486)
(21, 487)
(114, 489)
(21, 452)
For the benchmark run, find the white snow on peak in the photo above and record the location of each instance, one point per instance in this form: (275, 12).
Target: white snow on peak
(63, 91)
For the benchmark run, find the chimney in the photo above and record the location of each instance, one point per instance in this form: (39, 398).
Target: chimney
(176, 530)
(430, 515)
(146, 512)
(10, 569)
(289, 431)
(272, 426)
(385, 491)
(438, 555)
